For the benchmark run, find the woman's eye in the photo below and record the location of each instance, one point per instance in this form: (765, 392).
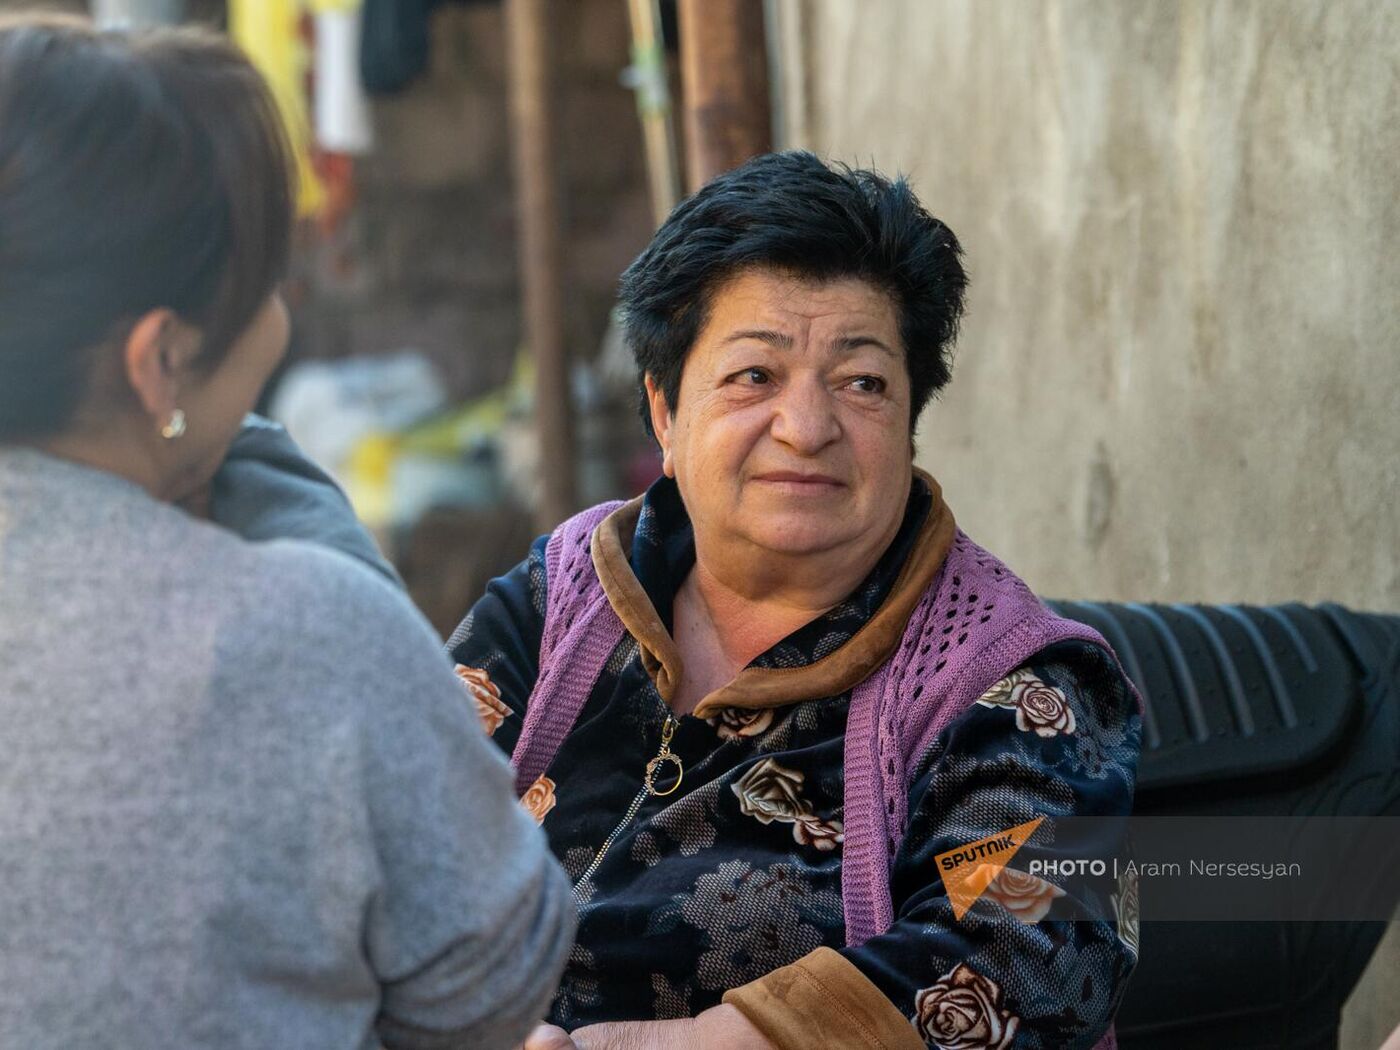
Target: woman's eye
(751, 376)
(868, 384)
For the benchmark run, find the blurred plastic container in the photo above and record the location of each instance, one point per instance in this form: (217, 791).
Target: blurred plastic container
(329, 407)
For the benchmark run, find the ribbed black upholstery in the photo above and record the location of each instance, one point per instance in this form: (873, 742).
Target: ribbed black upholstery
(1255, 710)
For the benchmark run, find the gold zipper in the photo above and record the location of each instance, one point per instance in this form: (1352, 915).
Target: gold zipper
(663, 755)
(668, 730)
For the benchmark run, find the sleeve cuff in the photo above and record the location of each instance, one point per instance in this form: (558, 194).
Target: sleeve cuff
(823, 1000)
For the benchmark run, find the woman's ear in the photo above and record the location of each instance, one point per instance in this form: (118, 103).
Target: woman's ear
(159, 349)
(660, 423)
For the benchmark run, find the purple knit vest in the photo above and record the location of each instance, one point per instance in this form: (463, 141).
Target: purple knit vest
(976, 623)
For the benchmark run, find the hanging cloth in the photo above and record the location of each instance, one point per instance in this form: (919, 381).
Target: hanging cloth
(394, 49)
(268, 31)
(340, 103)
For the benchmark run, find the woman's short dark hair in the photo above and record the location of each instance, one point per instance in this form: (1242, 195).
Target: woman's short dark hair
(137, 171)
(792, 213)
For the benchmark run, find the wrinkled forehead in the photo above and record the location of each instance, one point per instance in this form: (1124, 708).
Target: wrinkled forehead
(790, 311)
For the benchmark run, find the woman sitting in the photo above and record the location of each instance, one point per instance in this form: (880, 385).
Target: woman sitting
(242, 802)
(753, 706)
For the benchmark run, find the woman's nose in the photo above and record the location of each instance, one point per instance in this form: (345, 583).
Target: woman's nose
(804, 416)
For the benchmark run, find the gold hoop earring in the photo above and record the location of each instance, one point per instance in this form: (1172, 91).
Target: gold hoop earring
(175, 427)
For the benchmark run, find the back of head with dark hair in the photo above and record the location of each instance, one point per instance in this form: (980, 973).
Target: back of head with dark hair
(793, 214)
(137, 172)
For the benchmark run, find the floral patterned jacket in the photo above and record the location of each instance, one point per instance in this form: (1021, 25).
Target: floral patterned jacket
(729, 887)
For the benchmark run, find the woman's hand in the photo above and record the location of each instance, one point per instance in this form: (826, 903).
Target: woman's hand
(549, 1037)
(719, 1028)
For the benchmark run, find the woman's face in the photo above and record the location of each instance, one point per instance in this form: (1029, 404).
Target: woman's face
(215, 404)
(791, 430)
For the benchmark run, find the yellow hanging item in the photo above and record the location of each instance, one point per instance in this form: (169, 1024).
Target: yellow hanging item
(268, 32)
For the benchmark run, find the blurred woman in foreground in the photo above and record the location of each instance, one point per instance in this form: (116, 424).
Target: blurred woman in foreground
(242, 800)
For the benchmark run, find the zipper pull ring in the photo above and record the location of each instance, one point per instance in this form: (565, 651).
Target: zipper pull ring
(668, 730)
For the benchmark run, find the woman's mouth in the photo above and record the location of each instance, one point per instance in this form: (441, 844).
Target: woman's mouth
(800, 482)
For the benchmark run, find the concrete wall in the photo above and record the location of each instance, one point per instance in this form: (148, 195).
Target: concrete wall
(1180, 374)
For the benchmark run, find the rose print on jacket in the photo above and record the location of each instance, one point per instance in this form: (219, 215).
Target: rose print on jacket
(1040, 708)
(489, 705)
(1126, 909)
(999, 695)
(538, 799)
(769, 792)
(825, 835)
(1027, 897)
(732, 723)
(964, 1011)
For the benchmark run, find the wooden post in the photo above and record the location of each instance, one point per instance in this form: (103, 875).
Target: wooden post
(724, 84)
(541, 278)
(648, 74)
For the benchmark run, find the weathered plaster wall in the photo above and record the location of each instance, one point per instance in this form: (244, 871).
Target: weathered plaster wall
(1180, 374)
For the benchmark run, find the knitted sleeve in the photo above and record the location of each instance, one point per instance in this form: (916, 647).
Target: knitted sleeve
(387, 840)
(1059, 737)
(496, 647)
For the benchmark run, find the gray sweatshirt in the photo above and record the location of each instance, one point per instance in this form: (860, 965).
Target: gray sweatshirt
(243, 800)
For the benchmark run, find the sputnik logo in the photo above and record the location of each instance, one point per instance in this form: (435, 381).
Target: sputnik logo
(968, 870)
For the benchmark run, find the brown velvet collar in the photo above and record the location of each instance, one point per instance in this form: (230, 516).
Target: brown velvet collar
(760, 687)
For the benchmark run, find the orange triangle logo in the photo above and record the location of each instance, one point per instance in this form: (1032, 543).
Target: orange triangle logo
(968, 870)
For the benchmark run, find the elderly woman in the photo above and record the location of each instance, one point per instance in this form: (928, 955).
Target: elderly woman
(230, 777)
(752, 707)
